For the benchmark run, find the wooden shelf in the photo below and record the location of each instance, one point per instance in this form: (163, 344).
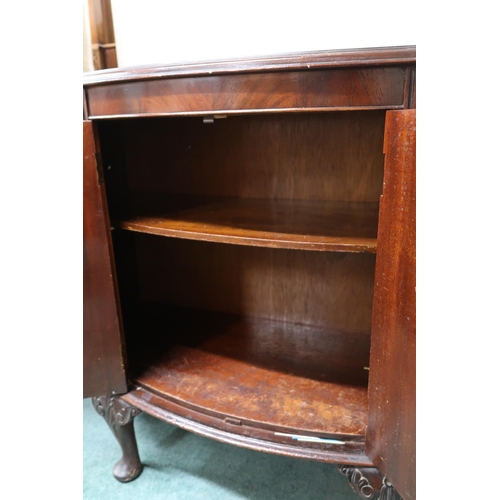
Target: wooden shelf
(302, 225)
(265, 374)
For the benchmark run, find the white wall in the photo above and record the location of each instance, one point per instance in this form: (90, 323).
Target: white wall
(154, 31)
(88, 62)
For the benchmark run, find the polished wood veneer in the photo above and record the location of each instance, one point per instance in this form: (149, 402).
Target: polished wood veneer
(307, 225)
(322, 59)
(319, 90)
(103, 359)
(394, 316)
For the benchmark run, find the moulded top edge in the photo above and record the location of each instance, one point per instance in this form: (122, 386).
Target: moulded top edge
(279, 62)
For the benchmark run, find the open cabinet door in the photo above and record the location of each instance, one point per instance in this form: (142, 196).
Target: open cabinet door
(390, 440)
(103, 349)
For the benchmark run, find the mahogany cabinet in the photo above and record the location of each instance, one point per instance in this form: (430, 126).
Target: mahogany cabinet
(249, 256)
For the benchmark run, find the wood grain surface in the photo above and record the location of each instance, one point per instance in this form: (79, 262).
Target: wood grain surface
(325, 289)
(103, 350)
(321, 157)
(307, 225)
(343, 88)
(382, 56)
(391, 434)
(265, 373)
(254, 438)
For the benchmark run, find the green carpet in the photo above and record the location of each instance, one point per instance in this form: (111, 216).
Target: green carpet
(179, 465)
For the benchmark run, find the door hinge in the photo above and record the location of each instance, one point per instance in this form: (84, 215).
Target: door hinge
(98, 167)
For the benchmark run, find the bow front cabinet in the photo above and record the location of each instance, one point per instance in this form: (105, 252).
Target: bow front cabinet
(249, 256)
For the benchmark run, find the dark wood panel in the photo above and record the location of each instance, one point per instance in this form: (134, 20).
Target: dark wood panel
(327, 289)
(362, 88)
(280, 376)
(323, 156)
(391, 438)
(308, 225)
(103, 356)
(382, 56)
(85, 107)
(413, 94)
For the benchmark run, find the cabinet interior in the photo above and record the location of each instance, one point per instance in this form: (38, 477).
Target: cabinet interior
(245, 254)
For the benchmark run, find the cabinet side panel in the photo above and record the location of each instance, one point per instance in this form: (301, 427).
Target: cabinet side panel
(391, 425)
(103, 363)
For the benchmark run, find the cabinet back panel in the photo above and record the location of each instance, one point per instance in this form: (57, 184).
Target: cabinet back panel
(322, 156)
(323, 289)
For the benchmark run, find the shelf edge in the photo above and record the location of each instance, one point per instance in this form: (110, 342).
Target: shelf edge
(365, 245)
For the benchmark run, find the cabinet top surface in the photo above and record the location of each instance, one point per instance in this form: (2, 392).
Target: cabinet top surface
(382, 56)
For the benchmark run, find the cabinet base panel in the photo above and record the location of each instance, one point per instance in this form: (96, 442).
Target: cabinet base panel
(226, 431)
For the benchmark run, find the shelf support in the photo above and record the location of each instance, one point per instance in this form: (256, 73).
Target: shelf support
(119, 416)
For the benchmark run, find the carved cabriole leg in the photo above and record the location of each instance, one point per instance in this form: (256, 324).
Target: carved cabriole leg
(119, 415)
(368, 481)
(387, 492)
(365, 481)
